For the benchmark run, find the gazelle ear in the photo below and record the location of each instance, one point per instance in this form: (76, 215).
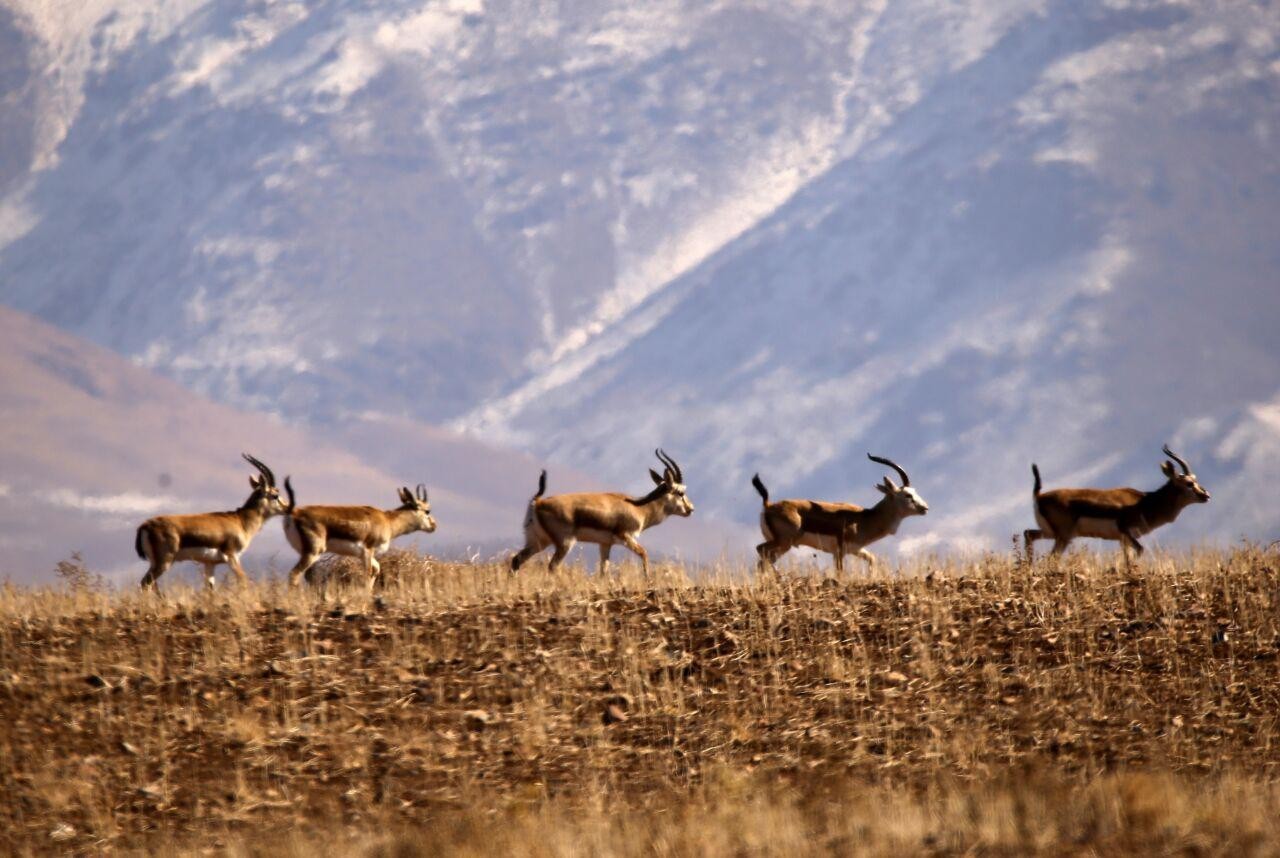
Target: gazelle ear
(255, 482)
(889, 487)
(1166, 468)
(657, 478)
(884, 489)
(405, 497)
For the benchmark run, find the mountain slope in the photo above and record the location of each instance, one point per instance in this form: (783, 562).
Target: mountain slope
(326, 208)
(93, 445)
(1061, 252)
(963, 234)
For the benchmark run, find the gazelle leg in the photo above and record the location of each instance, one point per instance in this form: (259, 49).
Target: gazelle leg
(303, 567)
(638, 550)
(1128, 541)
(233, 560)
(1060, 544)
(157, 568)
(210, 580)
(1028, 539)
(868, 557)
(371, 568)
(605, 548)
(562, 549)
(771, 552)
(522, 556)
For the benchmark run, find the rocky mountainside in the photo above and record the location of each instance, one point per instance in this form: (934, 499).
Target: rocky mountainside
(963, 234)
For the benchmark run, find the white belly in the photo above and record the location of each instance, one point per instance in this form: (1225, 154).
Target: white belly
(1098, 528)
(345, 547)
(202, 555)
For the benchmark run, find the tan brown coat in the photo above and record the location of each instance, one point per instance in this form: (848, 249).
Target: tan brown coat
(603, 518)
(1121, 514)
(836, 528)
(362, 532)
(209, 538)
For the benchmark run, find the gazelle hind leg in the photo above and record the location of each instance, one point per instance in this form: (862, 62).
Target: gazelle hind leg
(562, 549)
(869, 558)
(605, 548)
(210, 578)
(769, 553)
(531, 547)
(154, 571)
(1029, 537)
(303, 568)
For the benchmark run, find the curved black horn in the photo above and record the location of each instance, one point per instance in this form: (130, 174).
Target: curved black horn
(1181, 461)
(906, 480)
(422, 492)
(265, 471)
(670, 463)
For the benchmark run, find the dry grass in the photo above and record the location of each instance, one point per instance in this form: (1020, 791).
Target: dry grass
(980, 707)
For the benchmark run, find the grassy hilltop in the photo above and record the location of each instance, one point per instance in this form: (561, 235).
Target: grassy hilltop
(1072, 709)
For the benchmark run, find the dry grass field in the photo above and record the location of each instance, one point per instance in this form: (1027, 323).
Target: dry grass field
(967, 707)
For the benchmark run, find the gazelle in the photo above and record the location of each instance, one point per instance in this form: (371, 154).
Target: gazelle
(605, 518)
(209, 538)
(836, 528)
(363, 532)
(1116, 514)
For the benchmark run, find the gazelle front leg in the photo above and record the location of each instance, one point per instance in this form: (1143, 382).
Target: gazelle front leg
(1127, 540)
(372, 568)
(233, 560)
(210, 578)
(638, 550)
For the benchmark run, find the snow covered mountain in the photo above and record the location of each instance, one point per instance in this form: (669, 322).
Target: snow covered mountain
(767, 236)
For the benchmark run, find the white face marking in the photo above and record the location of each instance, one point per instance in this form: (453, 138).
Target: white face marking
(915, 501)
(679, 498)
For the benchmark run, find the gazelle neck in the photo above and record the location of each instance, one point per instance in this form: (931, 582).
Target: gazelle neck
(252, 514)
(884, 518)
(654, 512)
(1164, 504)
(402, 521)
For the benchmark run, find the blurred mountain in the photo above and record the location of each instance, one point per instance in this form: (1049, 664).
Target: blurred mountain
(765, 236)
(93, 445)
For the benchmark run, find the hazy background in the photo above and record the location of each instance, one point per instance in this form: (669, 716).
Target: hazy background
(455, 241)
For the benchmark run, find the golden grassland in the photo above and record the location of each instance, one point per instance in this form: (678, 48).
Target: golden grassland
(971, 707)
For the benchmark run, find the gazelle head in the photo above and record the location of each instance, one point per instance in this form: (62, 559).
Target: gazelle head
(670, 487)
(1185, 483)
(416, 502)
(906, 500)
(265, 496)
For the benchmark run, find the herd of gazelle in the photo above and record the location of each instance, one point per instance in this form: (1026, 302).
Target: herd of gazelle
(607, 519)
